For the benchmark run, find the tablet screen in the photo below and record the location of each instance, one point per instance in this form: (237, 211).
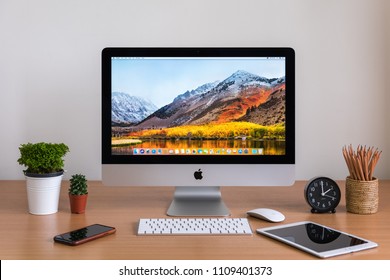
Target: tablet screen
(317, 239)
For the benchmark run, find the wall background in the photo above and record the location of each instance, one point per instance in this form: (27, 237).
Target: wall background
(50, 69)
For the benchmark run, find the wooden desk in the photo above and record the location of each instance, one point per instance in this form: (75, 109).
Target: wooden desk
(26, 236)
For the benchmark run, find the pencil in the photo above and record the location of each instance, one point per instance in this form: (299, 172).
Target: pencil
(362, 162)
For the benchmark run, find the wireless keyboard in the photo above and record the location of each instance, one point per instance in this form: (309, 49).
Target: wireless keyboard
(194, 226)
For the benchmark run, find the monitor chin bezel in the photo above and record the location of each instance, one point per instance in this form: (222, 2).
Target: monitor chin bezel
(196, 159)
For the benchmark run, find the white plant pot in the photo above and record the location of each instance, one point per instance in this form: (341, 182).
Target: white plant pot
(43, 194)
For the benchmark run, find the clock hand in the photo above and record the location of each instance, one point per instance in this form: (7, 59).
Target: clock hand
(329, 196)
(323, 193)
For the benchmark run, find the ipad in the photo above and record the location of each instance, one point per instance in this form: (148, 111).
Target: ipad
(316, 239)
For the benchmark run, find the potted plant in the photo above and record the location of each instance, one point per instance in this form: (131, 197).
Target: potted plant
(78, 193)
(45, 168)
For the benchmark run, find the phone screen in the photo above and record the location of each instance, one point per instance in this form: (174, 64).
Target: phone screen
(85, 234)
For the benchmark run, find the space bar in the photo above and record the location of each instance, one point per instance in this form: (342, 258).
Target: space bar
(205, 231)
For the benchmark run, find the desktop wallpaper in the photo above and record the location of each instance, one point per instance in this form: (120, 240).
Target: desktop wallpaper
(198, 106)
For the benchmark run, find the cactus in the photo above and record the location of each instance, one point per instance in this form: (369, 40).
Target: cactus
(78, 185)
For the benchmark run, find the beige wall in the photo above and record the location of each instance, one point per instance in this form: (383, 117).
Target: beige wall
(50, 68)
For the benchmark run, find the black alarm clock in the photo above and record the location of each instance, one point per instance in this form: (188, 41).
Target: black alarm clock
(322, 194)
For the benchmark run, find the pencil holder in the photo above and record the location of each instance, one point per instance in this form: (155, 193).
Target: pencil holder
(362, 197)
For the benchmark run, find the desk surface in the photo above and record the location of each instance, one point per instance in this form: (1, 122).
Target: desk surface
(26, 236)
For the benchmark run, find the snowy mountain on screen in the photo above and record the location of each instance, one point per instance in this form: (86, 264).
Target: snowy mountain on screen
(216, 102)
(240, 79)
(130, 109)
(200, 90)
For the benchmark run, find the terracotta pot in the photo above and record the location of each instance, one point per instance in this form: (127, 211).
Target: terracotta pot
(78, 203)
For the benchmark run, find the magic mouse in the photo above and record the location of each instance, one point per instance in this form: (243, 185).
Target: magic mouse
(267, 214)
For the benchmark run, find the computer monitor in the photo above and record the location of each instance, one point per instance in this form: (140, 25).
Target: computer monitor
(198, 119)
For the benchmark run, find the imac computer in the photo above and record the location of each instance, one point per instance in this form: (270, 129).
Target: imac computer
(198, 119)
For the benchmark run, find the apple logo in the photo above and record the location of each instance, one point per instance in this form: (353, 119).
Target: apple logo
(198, 175)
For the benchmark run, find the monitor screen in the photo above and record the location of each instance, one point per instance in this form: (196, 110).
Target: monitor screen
(209, 109)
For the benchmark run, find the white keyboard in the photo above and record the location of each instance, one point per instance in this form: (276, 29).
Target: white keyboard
(194, 226)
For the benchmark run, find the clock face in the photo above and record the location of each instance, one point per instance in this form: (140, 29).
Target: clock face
(320, 234)
(322, 194)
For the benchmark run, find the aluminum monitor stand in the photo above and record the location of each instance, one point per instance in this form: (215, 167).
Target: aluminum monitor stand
(197, 201)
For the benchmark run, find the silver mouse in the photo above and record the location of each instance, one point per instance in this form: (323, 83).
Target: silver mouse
(267, 214)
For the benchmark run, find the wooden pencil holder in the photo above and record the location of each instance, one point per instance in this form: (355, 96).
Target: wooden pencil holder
(362, 197)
